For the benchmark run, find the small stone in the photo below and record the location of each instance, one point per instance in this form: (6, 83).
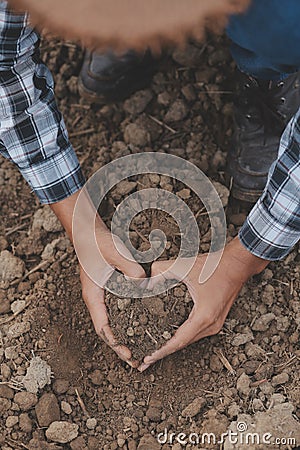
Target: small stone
(47, 410)
(262, 322)
(46, 219)
(242, 338)
(166, 335)
(11, 267)
(148, 442)
(194, 407)
(38, 375)
(66, 407)
(215, 364)
(243, 385)
(257, 405)
(18, 306)
(123, 303)
(189, 56)
(136, 135)
(78, 443)
(184, 193)
(18, 329)
(11, 421)
(233, 410)
(124, 188)
(154, 414)
(25, 423)
(96, 377)
(164, 98)
(5, 405)
(25, 400)
(138, 102)
(130, 331)
(60, 386)
(91, 423)
(223, 192)
(4, 306)
(281, 378)
(6, 392)
(177, 111)
(62, 432)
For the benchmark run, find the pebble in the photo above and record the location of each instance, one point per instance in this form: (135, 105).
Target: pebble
(25, 400)
(243, 385)
(45, 218)
(66, 407)
(38, 375)
(18, 329)
(223, 192)
(130, 331)
(184, 193)
(60, 386)
(25, 423)
(62, 432)
(189, 56)
(138, 102)
(11, 421)
(96, 377)
(136, 135)
(4, 306)
(177, 111)
(215, 364)
(148, 442)
(5, 405)
(6, 392)
(194, 407)
(47, 410)
(166, 335)
(242, 338)
(91, 423)
(281, 378)
(154, 414)
(18, 306)
(262, 322)
(11, 266)
(123, 303)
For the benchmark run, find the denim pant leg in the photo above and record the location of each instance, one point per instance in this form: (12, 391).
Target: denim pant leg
(266, 39)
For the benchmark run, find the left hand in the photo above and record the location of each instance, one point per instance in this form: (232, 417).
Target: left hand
(212, 299)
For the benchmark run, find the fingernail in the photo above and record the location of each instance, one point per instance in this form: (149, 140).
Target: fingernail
(143, 367)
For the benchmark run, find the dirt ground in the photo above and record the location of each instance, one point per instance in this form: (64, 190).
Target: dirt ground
(78, 394)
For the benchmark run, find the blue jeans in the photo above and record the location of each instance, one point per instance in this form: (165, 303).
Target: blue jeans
(266, 39)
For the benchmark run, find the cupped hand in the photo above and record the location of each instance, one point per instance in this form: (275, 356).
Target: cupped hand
(212, 299)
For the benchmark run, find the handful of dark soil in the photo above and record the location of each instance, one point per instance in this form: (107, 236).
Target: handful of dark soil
(145, 324)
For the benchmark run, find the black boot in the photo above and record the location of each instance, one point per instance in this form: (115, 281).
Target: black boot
(108, 78)
(262, 110)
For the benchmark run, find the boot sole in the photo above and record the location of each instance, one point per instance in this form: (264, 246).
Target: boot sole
(245, 195)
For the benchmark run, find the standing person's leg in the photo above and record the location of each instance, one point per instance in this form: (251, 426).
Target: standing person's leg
(266, 48)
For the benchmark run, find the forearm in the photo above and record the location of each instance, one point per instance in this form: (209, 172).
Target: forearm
(273, 226)
(86, 213)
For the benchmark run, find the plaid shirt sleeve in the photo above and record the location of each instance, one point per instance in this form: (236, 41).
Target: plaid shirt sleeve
(32, 131)
(273, 226)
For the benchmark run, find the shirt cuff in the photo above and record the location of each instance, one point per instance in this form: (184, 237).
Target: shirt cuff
(265, 236)
(55, 178)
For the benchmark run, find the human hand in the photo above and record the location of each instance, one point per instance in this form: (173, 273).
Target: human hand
(99, 254)
(212, 299)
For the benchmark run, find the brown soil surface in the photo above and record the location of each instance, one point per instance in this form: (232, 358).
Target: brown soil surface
(250, 369)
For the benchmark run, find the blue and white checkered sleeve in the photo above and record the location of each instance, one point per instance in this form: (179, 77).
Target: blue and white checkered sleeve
(273, 226)
(32, 132)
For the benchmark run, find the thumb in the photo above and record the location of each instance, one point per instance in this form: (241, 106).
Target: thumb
(126, 263)
(170, 269)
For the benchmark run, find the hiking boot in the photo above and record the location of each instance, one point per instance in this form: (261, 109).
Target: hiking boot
(106, 77)
(262, 110)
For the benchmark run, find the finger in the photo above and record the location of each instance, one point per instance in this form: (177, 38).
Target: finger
(98, 312)
(125, 262)
(160, 272)
(122, 351)
(183, 336)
